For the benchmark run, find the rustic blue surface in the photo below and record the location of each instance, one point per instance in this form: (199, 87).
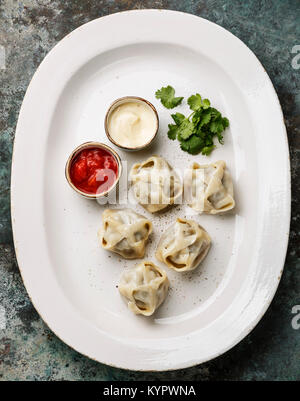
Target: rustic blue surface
(28, 30)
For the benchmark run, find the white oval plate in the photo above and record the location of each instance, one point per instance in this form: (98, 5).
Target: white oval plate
(71, 281)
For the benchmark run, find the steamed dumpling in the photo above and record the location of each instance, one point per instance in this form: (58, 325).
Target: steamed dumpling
(124, 232)
(145, 287)
(155, 184)
(183, 245)
(210, 188)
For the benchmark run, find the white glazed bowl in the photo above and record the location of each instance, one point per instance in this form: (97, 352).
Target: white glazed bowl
(117, 103)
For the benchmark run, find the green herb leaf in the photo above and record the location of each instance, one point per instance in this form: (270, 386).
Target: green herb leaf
(220, 139)
(214, 113)
(185, 130)
(167, 97)
(207, 150)
(206, 103)
(178, 118)
(195, 133)
(193, 145)
(225, 122)
(172, 133)
(195, 102)
(205, 118)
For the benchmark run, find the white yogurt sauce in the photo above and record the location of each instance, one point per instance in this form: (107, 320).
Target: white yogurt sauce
(132, 124)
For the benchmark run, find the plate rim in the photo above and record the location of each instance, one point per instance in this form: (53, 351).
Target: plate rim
(242, 335)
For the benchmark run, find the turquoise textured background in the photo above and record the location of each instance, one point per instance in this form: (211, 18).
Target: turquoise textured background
(28, 30)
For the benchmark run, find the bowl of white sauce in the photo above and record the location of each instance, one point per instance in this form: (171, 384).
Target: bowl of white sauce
(131, 123)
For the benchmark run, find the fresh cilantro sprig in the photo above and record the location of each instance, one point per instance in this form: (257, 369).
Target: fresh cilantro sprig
(167, 97)
(197, 131)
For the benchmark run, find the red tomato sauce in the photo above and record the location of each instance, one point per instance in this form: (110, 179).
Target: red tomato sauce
(94, 170)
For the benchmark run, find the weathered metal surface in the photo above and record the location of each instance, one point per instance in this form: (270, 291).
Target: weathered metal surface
(28, 30)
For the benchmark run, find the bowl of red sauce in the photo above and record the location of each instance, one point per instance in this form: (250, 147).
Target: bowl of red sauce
(93, 169)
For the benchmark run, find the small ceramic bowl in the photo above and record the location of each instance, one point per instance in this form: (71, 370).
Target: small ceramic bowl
(88, 145)
(117, 103)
